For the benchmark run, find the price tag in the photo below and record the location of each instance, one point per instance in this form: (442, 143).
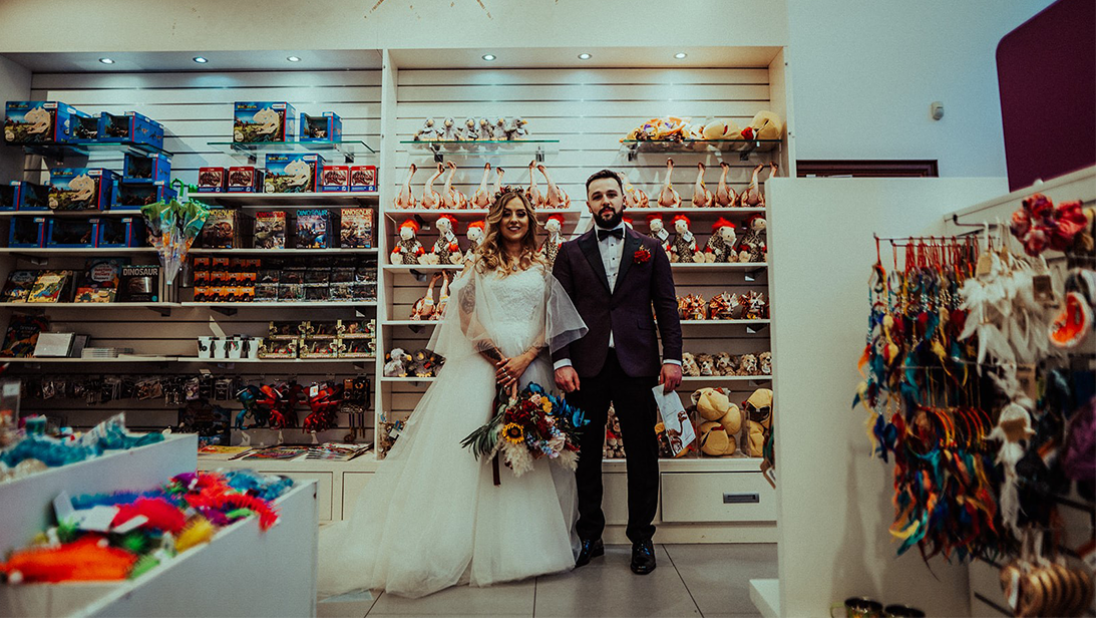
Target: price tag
(314, 391)
(985, 265)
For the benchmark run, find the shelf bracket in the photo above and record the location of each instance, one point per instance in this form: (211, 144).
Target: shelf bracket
(418, 275)
(37, 260)
(760, 380)
(633, 152)
(753, 330)
(416, 328)
(228, 311)
(439, 157)
(540, 154)
(750, 147)
(348, 158)
(359, 310)
(751, 275)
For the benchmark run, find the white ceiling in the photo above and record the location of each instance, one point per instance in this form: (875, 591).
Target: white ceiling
(127, 62)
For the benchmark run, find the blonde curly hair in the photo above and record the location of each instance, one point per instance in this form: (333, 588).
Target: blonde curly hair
(490, 256)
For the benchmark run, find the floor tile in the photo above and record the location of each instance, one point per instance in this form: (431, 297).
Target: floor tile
(718, 576)
(607, 587)
(500, 600)
(755, 615)
(350, 605)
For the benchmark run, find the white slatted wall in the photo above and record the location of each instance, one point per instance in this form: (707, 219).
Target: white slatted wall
(588, 111)
(197, 108)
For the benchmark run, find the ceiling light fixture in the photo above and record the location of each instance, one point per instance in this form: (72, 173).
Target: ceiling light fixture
(680, 55)
(489, 57)
(293, 59)
(584, 56)
(200, 60)
(106, 61)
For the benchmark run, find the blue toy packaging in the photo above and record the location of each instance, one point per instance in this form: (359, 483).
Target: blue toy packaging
(131, 195)
(121, 232)
(293, 173)
(72, 232)
(27, 232)
(264, 121)
(325, 128)
(154, 168)
(131, 128)
(81, 188)
(23, 195)
(32, 122)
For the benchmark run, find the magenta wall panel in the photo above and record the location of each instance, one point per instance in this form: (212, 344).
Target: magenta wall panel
(1046, 69)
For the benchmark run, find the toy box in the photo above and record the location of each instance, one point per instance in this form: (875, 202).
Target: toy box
(325, 128)
(212, 179)
(85, 128)
(51, 286)
(261, 121)
(131, 128)
(221, 230)
(336, 178)
(72, 232)
(313, 227)
(22, 195)
(18, 286)
(99, 281)
(154, 168)
(278, 348)
(139, 284)
(363, 178)
(293, 173)
(356, 228)
(135, 195)
(30, 122)
(121, 232)
(244, 179)
(270, 230)
(27, 232)
(81, 188)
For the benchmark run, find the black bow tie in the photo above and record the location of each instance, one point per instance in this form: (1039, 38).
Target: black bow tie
(603, 234)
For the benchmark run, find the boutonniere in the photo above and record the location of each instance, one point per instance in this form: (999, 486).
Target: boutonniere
(642, 256)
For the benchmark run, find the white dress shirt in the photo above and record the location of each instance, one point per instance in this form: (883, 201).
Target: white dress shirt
(612, 251)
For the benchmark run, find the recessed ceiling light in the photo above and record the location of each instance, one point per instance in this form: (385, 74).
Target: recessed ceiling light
(106, 61)
(584, 56)
(680, 55)
(200, 60)
(293, 59)
(489, 57)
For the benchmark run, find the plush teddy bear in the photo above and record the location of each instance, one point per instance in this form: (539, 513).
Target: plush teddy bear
(446, 248)
(396, 363)
(408, 249)
(685, 249)
(689, 366)
(720, 248)
(765, 359)
(725, 364)
(660, 233)
(752, 247)
(747, 365)
(706, 363)
(474, 234)
(722, 421)
(759, 418)
(721, 128)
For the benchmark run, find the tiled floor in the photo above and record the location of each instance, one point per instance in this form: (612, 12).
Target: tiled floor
(691, 580)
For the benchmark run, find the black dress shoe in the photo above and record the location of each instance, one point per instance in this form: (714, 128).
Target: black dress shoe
(591, 548)
(643, 557)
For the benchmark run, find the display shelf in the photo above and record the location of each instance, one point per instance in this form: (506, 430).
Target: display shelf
(760, 378)
(718, 211)
(59, 151)
(153, 306)
(410, 322)
(413, 268)
(763, 322)
(75, 251)
(125, 358)
(285, 305)
(721, 266)
(539, 148)
(472, 214)
(121, 212)
(407, 380)
(347, 148)
(698, 146)
(286, 200)
(275, 361)
(283, 252)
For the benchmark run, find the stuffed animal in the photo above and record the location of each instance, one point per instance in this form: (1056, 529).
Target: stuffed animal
(759, 419)
(752, 247)
(685, 249)
(448, 131)
(550, 248)
(487, 130)
(765, 359)
(722, 421)
(747, 365)
(722, 306)
(633, 197)
(668, 197)
(443, 299)
(408, 249)
(515, 128)
(452, 199)
(726, 364)
(427, 133)
(482, 197)
(426, 364)
(720, 248)
(430, 197)
(706, 363)
(692, 307)
(396, 363)
(405, 198)
(702, 197)
(614, 441)
(474, 234)
(721, 129)
(446, 248)
(724, 194)
(753, 306)
(500, 129)
(689, 366)
(471, 130)
(764, 126)
(423, 309)
(660, 233)
(557, 197)
(536, 198)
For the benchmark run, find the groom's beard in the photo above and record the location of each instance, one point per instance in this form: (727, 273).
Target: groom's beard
(608, 224)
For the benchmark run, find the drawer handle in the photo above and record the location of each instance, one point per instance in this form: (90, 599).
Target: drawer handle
(741, 498)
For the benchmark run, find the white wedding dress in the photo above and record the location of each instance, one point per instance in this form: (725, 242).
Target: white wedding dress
(432, 516)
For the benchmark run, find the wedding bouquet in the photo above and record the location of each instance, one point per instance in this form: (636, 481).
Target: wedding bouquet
(533, 425)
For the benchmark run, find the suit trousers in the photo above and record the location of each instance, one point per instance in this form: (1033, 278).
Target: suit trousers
(636, 410)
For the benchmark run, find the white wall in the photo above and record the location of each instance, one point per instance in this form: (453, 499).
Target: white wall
(866, 71)
(14, 86)
(197, 25)
(834, 499)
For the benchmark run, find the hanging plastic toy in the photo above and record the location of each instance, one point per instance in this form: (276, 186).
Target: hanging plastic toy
(173, 226)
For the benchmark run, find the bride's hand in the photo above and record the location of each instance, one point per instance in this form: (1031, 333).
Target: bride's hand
(508, 370)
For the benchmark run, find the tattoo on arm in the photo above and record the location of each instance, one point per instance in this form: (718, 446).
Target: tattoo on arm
(468, 299)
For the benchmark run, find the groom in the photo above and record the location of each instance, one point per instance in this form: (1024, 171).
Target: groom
(619, 280)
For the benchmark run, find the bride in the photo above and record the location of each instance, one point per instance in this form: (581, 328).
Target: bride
(432, 516)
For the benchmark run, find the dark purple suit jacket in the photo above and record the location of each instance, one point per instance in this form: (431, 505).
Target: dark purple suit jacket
(625, 311)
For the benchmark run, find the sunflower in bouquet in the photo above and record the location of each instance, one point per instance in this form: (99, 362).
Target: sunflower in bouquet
(526, 427)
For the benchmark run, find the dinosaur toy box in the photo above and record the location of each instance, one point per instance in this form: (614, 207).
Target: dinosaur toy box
(259, 121)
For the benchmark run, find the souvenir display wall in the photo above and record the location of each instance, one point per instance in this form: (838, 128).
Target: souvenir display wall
(473, 129)
(284, 279)
(551, 196)
(979, 386)
(321, 228)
